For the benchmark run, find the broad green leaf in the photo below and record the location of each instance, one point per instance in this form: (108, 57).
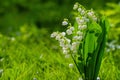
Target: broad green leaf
(105, 27)
(89, 49)
(94, 27)
(89, 46)
(90, 39)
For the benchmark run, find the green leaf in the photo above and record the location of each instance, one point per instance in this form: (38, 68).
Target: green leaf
(90, 46)
(105, 27)
(90, 39)
(94, 27)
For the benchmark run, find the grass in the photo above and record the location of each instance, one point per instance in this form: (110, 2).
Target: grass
(29, 61)
(36, 57)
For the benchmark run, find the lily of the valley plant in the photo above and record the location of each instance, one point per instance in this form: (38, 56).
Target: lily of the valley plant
(84, 41)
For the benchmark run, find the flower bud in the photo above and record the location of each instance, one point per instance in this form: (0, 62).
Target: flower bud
(75, 6)
(82, 12)
(65, 51)
(79, 9)
(71, 65)
(80, 33)
(98, 78)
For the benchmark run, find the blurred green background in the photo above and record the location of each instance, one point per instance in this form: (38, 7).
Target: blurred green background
(28, 53)
(42, 13)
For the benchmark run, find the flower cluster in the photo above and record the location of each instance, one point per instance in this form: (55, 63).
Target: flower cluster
(64, 41)
(71, 44)
(86, 14)
(68, 45)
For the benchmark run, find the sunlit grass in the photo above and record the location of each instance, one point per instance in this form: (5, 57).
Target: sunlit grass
(42, 60)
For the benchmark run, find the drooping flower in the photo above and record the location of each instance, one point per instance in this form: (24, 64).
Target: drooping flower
(63, 34)
(80, 33)
(64, 23)
(54, 34)
(72, 28)
(79, 9)
(82, 12)
(69, 32)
